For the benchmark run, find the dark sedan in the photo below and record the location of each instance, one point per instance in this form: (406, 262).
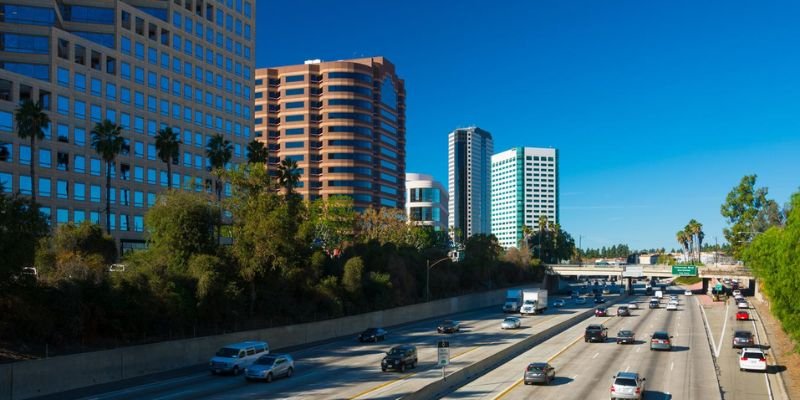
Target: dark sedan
(626, 337)
(372, 335)
(449, 326)
(599, 300)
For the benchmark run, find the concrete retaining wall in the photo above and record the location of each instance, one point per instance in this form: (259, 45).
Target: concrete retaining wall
(27, 379)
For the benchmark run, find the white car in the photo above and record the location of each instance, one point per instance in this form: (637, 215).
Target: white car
(752, 359)
(559, 303)
(633, 306)
(687, 292)
(742, 305)
(510, 323)
(672, 307)
(737, 293)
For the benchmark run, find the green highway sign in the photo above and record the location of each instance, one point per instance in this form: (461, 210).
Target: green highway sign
(684, 270)
(718, 287)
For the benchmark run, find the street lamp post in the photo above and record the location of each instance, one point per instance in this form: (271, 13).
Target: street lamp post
(428, 267)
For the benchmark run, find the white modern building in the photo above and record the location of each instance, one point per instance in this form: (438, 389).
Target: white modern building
(524, 188)
(426, 201)
(469, 176)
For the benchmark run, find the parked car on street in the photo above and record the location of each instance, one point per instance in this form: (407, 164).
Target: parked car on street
(372, 335)
(661, 340)
(510, 323)
(752, 359)
(269, 367)
(627, 385)
(539, 372)
(742, 339)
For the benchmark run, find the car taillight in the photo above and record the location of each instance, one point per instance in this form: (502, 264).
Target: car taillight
(638, 390)
(744, 358)
(612, 389)
(762, 359)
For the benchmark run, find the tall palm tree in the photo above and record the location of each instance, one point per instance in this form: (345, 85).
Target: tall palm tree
(31, 123)
(167, 147)
(695, 229)
(288, 176)
(219, 152)
(682, 238)
(107, 141)
(256, 152)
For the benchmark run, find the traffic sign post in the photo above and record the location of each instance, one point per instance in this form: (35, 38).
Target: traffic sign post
(684, 270)
(443, 348)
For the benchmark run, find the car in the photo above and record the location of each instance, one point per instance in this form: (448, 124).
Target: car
(627, 385)
(559, 303)
(626, 336)
(673, 297)
(372, 335)
(737, 293)
(399, 358)
(622, 311)
(601, 312)
(742, 315)
(606, 290)
(672, 307)
(539, 372)
(599, 300)
(648, 290)
(653, 304)
(511, 323)
(235, 357)
(658, 299)
(449, 326)
(687, 292)
(580, 300)
(742, 339)
(752, 359)
(633, 306)
(270, 366)
(742, 305)
(661, 340)
(595, 333)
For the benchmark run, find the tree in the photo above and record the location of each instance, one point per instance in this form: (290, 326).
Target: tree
(32, 122)
(107, 141)
(288, 175)
(256, 152)
(168, 148)
(331, 223)
(741, 210)
(76, 252)
(353, 277)
(219, 152)
(21, 228)
(682, 238)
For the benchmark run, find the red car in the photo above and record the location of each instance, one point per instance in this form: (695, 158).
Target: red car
(742, 316)
(601, 312)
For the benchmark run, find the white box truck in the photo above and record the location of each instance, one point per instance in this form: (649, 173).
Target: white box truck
(513, 301)
(659, 294)
(534, 301)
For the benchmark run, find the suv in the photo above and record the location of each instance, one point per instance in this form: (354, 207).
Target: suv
(753, 359)
(400, 357)
(661, 340)
(743, 339)
(539, 373)
(595, 333)
(627, 385)
(448, 326)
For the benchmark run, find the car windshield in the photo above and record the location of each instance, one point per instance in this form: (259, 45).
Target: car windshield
(510, 320)
(742, 335)
(370, 331)
(752, 355)
(535, 368)
(396, 352)
(265, 361)
(228, 352)
(625, 382)
(625, 333)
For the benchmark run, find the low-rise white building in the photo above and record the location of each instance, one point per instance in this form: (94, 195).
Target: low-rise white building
(426, 201)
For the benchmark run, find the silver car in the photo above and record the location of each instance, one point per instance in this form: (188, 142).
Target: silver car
(627, 385)
(269, 367)
(510, 323)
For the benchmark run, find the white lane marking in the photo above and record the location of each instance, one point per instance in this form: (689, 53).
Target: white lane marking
(595, 355)
(708, 329)
(575, 377)
(637, 349)
(724, 325)
(628, 368)
(139, 388)
(672, 366)
(766, 377)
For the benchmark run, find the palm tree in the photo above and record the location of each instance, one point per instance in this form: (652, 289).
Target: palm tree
(288, 175)
(695, 229)
(683, 239)
(107, 141)
(31, 123)
(168, 146)
(219, 151)
(256, 152)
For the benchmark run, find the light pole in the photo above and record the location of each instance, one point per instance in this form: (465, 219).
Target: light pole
(428, 267)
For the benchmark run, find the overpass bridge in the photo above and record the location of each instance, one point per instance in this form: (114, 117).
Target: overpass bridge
(706, 273)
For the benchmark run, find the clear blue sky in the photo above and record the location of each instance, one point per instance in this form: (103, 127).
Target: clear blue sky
(657, 108)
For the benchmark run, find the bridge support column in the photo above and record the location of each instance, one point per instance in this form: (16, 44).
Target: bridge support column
(629, 285)
(752, 287)
(706, 282)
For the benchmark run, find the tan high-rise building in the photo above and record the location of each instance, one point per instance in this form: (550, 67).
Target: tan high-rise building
(143, 64)
(343, 122)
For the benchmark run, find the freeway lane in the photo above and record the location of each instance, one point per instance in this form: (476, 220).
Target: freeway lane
(585, 370)
(346, 368)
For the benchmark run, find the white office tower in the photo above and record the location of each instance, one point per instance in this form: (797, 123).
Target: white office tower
(524, 188)
(426, 201)
(469, 177)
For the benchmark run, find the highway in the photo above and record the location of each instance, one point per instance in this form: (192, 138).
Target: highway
(585, 370)
(346, 369)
